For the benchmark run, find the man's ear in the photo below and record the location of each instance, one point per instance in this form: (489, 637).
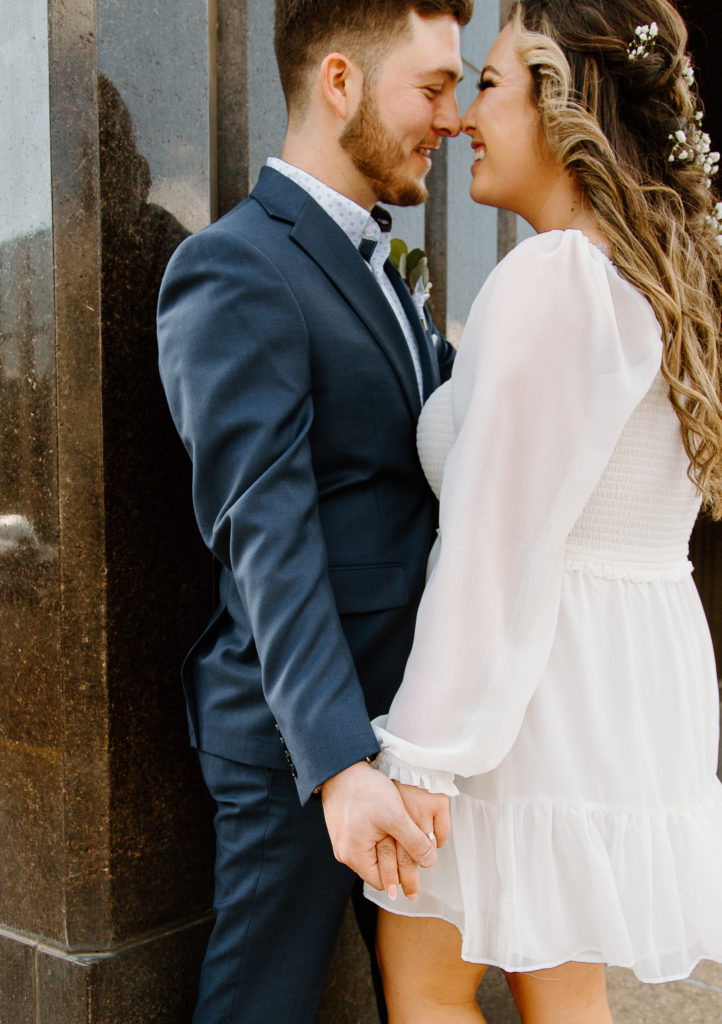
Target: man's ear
(341, 84)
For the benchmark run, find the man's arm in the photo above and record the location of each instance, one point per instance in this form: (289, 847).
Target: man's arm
(235, 362)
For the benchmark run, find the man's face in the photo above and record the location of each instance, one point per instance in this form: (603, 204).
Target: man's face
(406, 110)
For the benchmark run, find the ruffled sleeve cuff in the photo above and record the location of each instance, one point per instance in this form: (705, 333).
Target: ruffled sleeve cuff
(432, 780)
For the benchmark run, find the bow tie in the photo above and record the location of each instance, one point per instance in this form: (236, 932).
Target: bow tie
(383, 219)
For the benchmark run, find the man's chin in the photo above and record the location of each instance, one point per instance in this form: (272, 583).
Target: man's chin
(408, 194)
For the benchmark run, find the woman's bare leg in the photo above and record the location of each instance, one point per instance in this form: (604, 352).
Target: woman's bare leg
(573, 993)
(425, 979)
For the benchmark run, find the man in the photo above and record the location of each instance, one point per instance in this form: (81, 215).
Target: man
(295, 366)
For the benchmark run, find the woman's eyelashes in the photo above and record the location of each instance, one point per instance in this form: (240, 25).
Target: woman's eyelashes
(485, 83)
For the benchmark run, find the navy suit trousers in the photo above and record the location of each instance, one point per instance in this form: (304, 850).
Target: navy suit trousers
(279, 899)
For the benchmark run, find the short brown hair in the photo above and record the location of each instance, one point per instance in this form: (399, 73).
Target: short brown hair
(306, 30)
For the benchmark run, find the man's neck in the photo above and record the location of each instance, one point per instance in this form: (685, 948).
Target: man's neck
(331, 165)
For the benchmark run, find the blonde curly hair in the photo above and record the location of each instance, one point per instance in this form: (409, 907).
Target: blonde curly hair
(608, 119)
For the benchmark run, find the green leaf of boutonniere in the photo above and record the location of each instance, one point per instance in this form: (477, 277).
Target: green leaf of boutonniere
(413, 266)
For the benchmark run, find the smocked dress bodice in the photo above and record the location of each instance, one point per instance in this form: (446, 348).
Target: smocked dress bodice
(638, 520)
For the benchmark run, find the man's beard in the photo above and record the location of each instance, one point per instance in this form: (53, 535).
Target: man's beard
(379, 156)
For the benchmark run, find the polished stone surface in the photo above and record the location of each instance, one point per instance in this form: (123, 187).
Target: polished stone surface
(232, 120)
(32, 882)
(160, 66)
(103, 581)
(145, 983)
(159, 577)
(30, 692)
(17, 997)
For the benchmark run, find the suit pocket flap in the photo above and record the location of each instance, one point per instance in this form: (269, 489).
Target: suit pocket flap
(368, 588)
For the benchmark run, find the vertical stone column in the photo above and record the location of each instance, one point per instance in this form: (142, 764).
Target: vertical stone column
(461, 235)
(105, 874)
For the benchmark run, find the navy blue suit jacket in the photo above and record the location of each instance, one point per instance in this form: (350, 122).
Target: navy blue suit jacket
(292, 387)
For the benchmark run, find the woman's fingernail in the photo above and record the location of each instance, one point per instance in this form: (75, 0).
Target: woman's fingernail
(413, 896)
(392, 892)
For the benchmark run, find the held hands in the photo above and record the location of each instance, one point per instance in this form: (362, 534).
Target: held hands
(380, 828)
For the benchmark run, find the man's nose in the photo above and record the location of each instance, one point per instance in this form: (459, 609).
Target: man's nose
(448, 119)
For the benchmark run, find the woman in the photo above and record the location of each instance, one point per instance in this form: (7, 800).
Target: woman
(562, 690)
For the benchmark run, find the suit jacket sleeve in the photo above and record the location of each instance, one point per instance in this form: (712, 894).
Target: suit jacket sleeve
(235, 362)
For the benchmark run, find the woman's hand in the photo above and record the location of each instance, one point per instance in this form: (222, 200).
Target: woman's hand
(430, 811)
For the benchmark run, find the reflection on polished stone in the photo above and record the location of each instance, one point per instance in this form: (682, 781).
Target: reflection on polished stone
(160, 67)
(30, 727)
(106, 829)
(150, 535)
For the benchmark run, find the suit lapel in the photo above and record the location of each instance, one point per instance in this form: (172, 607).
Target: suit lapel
(330, 248)
(427, 351)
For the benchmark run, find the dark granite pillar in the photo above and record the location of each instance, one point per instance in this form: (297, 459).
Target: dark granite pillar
(105, 831)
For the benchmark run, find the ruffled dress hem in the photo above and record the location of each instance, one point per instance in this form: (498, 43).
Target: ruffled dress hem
(648, 881)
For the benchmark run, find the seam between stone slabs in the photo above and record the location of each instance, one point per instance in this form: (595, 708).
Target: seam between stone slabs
(89, 956)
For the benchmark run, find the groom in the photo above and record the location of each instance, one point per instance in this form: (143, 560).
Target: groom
(295, 365)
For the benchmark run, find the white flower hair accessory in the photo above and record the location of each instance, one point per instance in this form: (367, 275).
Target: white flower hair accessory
(715, 221)
(692, 145)
(644, 41)
(687, 71)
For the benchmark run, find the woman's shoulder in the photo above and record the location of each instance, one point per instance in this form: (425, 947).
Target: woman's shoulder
(560, 266)
(559, 283)
(544, 270)
(561, 251)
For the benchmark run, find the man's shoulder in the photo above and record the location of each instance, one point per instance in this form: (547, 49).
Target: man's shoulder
(245, 230)
(262, 220)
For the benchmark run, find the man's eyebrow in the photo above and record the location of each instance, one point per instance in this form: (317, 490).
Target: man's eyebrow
(451, 73)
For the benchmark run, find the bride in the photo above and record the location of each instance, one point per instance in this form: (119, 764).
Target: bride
(557, 727)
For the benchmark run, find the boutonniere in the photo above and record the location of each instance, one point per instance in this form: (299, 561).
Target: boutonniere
(414, 269)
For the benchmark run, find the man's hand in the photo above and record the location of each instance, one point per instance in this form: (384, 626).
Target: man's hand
(366, 819)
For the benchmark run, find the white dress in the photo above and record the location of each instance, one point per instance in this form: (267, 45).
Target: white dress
(562, 686)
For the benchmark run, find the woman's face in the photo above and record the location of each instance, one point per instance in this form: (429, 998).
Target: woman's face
(513, 167)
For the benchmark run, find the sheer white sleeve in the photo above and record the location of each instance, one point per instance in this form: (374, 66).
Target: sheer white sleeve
(557, 352)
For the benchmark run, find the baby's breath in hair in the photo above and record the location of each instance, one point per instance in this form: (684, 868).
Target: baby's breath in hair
(691, 145)
(715, 221)
(688, 72)
(645, 40)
